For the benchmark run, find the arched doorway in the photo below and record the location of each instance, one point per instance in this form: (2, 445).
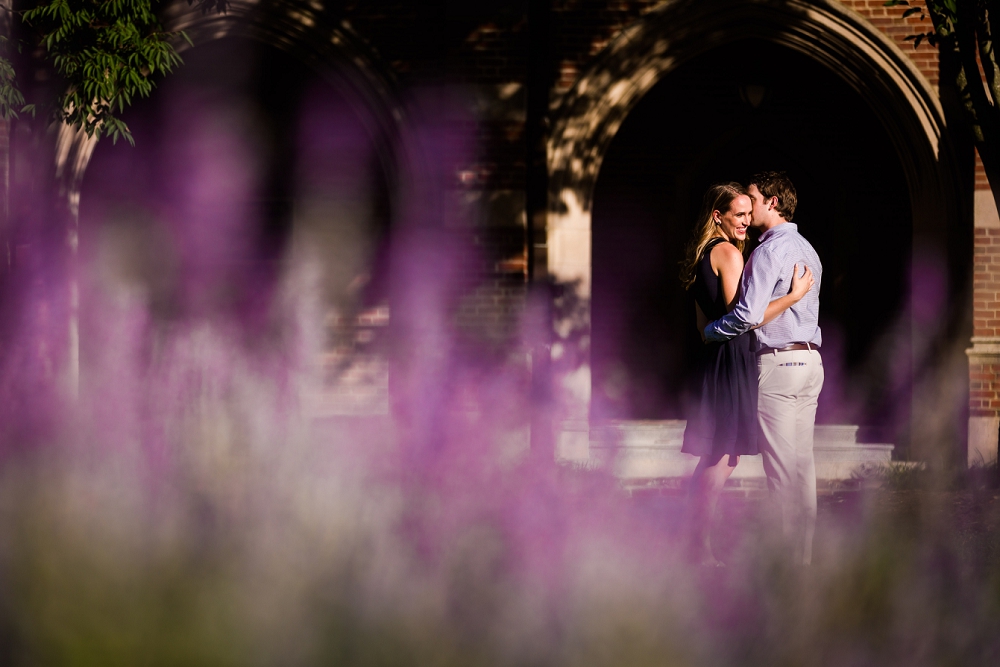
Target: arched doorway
(246, 133)
(267, 143)
(865, 60)
(743, 107)
(315, 38)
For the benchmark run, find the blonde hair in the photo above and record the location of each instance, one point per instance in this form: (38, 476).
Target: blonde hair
(718, 198)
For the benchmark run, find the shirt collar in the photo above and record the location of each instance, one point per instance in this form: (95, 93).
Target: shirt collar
(778, 230)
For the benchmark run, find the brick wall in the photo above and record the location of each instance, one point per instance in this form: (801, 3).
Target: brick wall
(984, 389)
(891, 22)
(984, 356)
(986, 283)
(583, 28)
(483, 47)
(478, 53)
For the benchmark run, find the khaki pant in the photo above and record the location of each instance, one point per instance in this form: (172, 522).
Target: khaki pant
(790, 383)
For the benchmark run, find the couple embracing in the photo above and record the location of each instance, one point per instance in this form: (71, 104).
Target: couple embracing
(762, 367)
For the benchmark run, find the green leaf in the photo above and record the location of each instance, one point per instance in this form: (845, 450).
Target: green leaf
(107, 52)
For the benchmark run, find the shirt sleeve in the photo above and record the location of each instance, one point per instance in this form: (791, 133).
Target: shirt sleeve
(760, 276)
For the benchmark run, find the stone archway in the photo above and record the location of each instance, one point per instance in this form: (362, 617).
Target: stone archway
(594, 109)
(310, 36)
(330, 48)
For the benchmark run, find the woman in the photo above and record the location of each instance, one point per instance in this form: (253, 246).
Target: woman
(724, 424)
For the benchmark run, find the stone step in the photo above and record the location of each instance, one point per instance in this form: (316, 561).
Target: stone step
(671, 431)
(652, 450)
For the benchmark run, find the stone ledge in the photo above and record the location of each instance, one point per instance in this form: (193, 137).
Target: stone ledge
(646, 450)
(983, 346)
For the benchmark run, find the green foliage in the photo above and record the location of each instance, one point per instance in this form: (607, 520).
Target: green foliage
(108, 52)
(943, 13)
(895, 476)
(963, 33)
(11, 99)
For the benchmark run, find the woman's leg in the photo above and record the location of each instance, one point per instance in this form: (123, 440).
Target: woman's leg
(706, 484)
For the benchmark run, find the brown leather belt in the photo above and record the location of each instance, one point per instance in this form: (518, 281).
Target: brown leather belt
(788, 348)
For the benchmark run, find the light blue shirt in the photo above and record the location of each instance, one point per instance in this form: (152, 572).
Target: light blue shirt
(766, 277)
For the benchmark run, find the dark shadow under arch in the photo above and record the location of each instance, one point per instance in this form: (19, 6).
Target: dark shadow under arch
(206, 233)
(934, 155)
(315, 37)
(748, 106)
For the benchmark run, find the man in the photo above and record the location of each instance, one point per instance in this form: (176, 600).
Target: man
(791, 369)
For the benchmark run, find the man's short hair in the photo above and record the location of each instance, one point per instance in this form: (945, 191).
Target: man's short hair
(777, 184)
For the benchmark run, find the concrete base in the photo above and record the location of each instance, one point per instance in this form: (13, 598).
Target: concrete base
(573, 443)
(652, 450)
(983, 432)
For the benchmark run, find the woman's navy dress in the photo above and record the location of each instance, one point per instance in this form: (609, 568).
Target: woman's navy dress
(724, 421)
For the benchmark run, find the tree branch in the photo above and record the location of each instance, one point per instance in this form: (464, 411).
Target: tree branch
(987, 57)
(971, 88)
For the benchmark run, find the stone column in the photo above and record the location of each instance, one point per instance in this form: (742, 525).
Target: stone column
(568, 236)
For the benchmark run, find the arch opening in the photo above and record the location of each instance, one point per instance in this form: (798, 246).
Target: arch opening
(245, 135)
(935, 164)
(710, 121)
(252, 179)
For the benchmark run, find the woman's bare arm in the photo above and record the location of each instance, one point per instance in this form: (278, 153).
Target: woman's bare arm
(727, 262)
(800, 285)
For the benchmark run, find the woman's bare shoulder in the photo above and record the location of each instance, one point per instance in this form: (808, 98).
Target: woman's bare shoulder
(726, 254)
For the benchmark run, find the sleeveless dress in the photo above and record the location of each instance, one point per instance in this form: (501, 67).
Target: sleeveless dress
(724, 421)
